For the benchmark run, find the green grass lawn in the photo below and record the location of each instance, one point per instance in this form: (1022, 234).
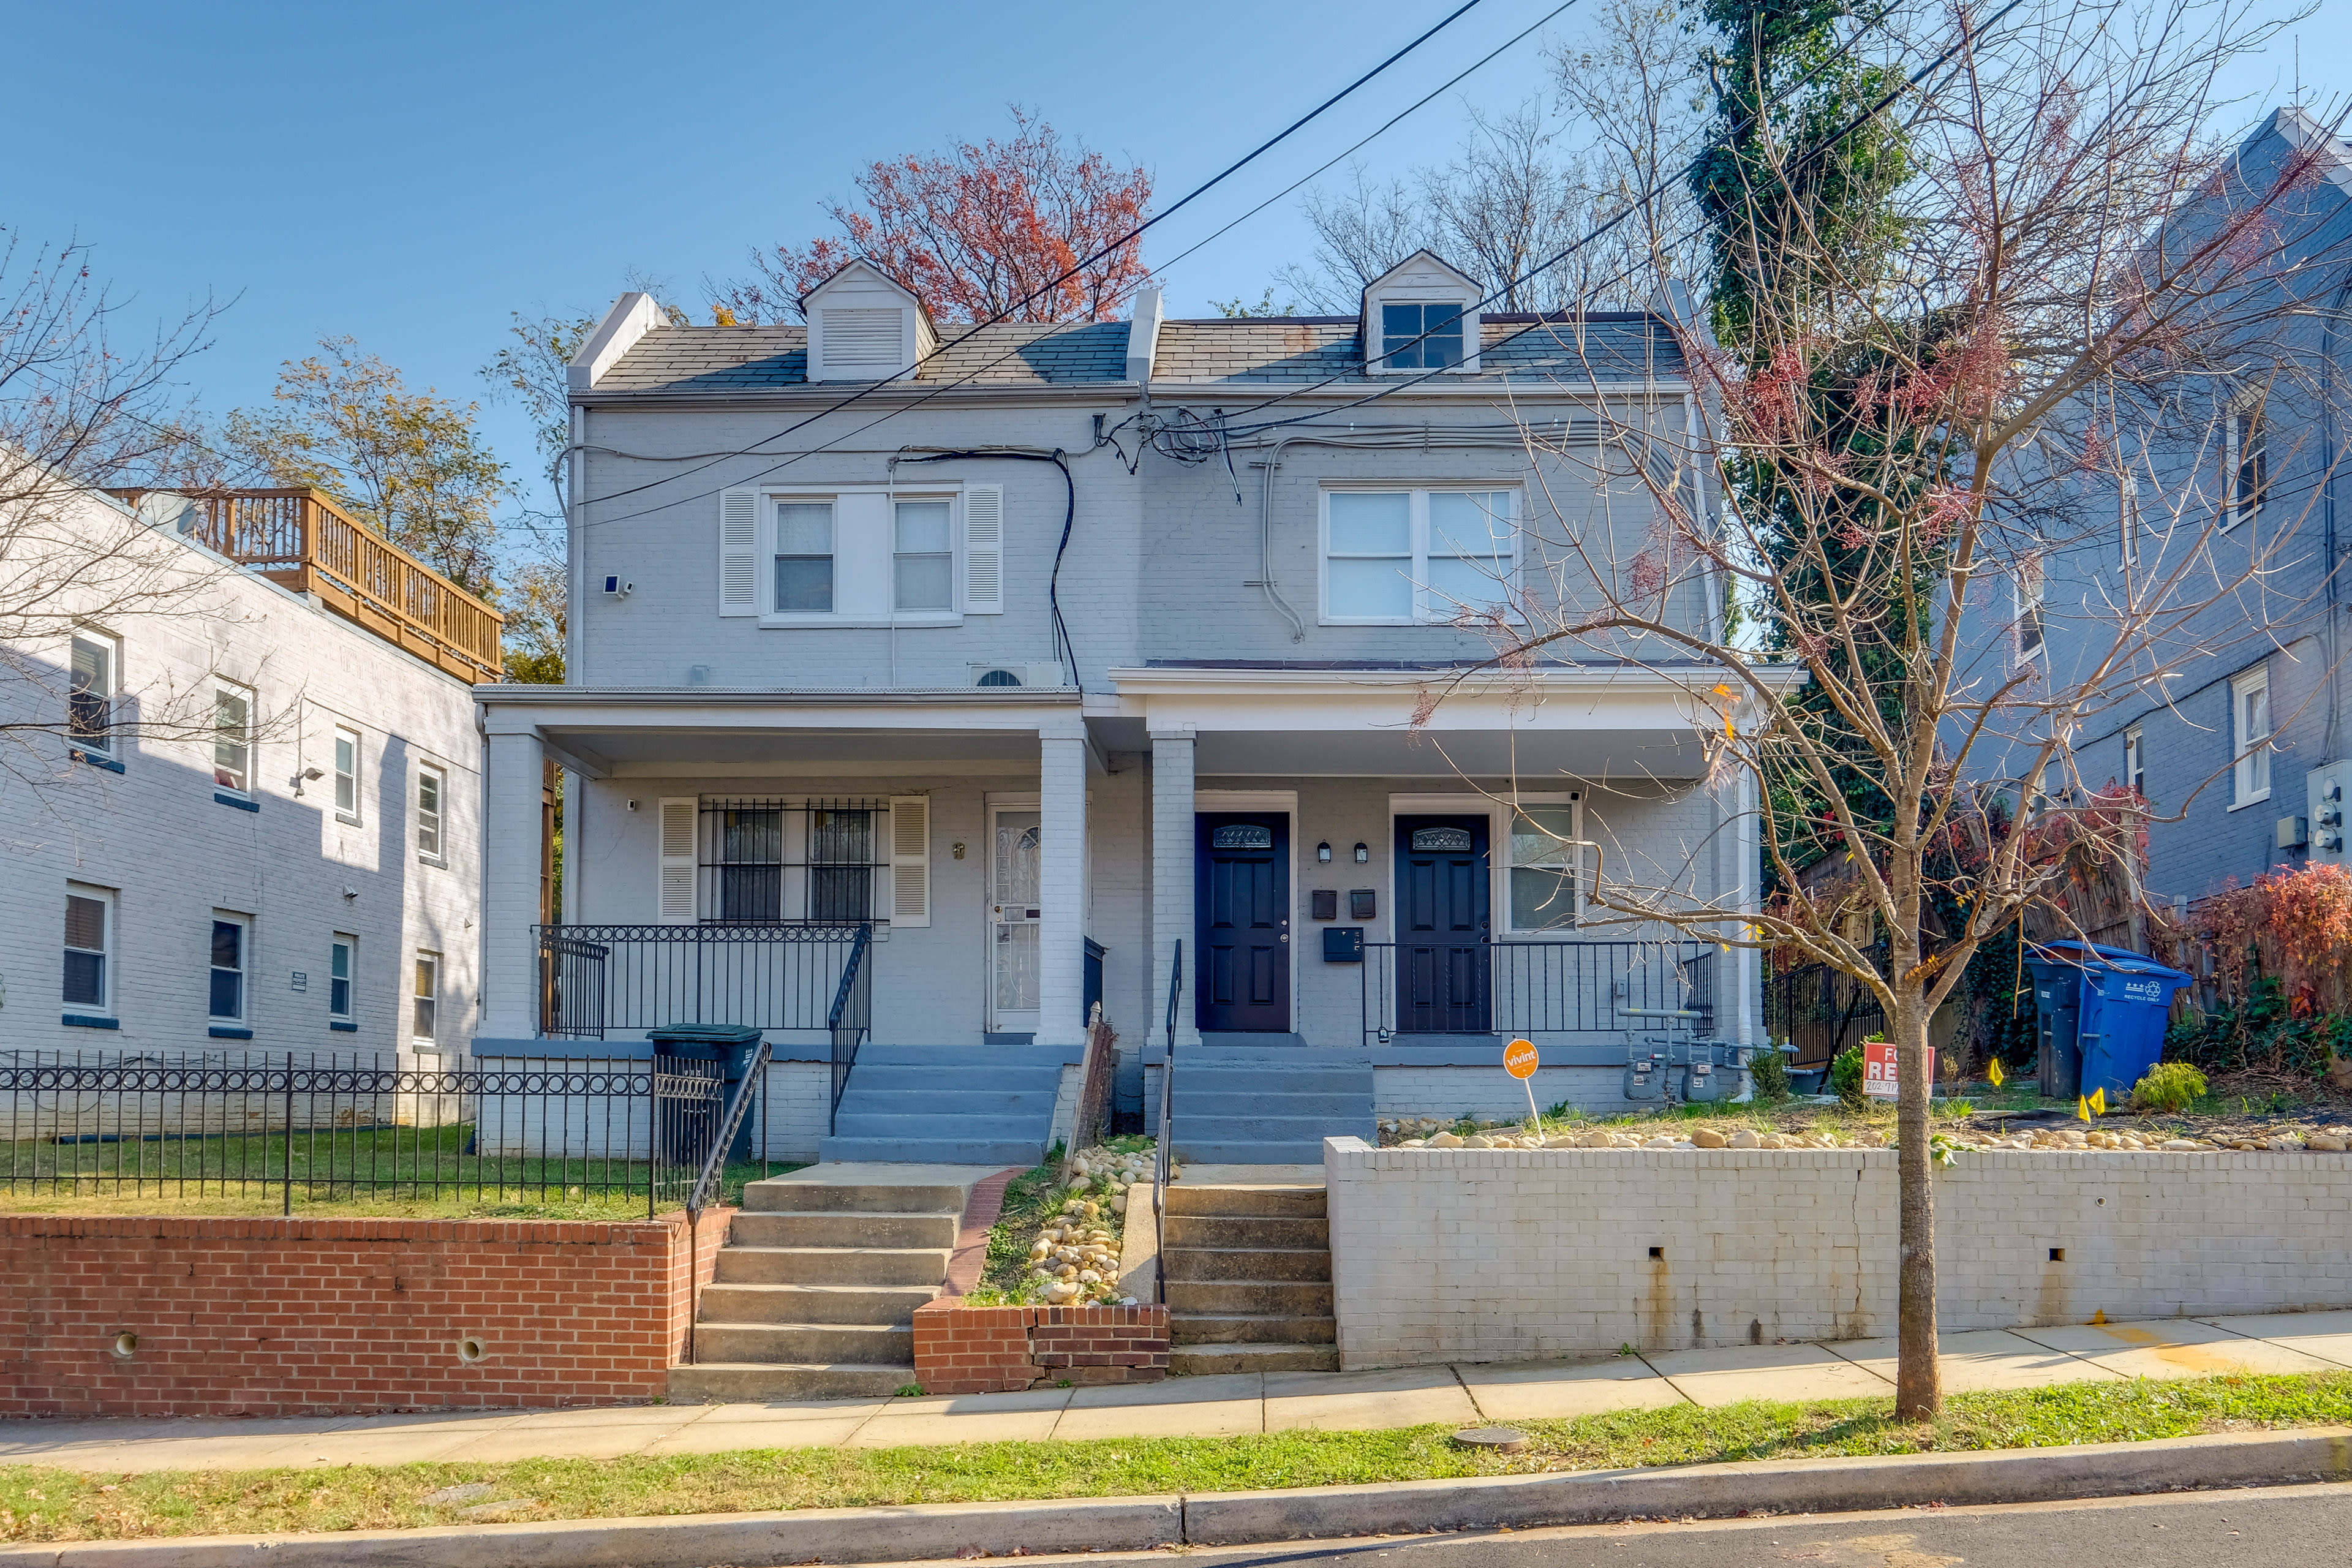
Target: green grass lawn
(38, 1504)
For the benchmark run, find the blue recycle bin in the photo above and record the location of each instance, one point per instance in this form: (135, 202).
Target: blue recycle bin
(2102, 1011)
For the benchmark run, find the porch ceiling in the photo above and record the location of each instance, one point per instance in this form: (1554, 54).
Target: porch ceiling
(654, 750)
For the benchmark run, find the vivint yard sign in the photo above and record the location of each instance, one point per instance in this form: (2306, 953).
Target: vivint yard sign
(1878, 1068)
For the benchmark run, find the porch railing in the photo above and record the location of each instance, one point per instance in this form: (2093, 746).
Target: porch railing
(778, 975)
(1529, 987)
(851, 1017)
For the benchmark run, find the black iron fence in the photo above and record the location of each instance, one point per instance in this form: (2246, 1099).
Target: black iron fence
(1530, 987)
(329, 1125)
(777, 975)
(1820, 1011)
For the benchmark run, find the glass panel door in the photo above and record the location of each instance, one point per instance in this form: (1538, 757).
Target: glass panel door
(1013, 919)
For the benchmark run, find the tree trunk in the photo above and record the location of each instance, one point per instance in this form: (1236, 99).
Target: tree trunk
(1918, 1380)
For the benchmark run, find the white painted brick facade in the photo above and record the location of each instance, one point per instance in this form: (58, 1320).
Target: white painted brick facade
(1497, 1255)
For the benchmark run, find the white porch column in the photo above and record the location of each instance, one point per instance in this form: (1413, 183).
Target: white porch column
(1745, 963)
(1171, 881)
(511, 887)
(1062, 883)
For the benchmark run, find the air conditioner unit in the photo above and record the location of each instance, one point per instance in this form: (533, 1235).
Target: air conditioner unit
(1031, 673)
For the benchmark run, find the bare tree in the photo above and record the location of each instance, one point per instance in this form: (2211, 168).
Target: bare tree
(2076, 285)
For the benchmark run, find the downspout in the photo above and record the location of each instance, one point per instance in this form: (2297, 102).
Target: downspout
(2329, 744)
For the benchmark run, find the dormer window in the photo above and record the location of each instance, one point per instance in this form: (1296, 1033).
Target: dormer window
(1419, 316)
(864, 326)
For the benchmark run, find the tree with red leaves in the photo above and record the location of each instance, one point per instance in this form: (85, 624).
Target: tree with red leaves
(1005, 229)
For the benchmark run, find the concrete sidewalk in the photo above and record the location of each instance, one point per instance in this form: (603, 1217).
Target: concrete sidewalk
(1216, 1407)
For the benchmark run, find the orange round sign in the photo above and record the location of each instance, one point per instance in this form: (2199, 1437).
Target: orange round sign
(1519, 1059)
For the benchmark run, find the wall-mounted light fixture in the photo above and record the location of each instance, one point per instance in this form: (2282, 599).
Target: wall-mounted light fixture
(1323, 853)
(1363, 855)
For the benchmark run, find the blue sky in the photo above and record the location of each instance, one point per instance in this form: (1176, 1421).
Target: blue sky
(410, 174)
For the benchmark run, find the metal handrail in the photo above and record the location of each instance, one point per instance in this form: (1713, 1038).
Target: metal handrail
(853, 992)
(1167, 1098)
(1538, 984)
(714, 1165)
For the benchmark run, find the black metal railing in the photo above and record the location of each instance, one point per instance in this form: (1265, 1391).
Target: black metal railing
(323, 1126)
(851, 1016)
(596, 981)
(1529, 987)
(752, 1085)
(1167, 1098)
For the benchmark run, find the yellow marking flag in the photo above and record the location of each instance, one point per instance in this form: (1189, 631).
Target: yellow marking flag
(2081, 1109)
(1994, 1073)
(2099, 1100)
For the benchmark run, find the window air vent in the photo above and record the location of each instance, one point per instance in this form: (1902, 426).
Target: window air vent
(998, 678)
(1046, 673)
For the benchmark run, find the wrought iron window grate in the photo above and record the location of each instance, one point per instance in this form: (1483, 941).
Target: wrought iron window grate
(773, 859)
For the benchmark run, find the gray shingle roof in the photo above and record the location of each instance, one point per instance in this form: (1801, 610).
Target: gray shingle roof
(1282, 351)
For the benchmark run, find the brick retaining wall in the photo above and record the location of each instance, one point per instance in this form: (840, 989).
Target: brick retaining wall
(1500, 1254)
(991, 1350)
(280, 1317)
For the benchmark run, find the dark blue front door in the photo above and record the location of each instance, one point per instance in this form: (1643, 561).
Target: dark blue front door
(1443, 896)
(1242, 881)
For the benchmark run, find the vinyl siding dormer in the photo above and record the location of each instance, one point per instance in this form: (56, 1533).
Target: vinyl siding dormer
(1420, 315)
(863, 326)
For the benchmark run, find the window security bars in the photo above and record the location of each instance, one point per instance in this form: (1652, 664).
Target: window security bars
(1532, 987)
(821, 860)
(598, 981)
(323, 1125)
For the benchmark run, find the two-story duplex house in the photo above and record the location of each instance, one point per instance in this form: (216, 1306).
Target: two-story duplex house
(2231, 723)
(247, 816)
(929, 685)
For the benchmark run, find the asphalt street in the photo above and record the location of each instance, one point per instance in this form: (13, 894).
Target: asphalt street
(2282, 1526)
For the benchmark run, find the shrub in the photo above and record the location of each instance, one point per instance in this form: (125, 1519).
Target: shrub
(1845, 1075)
(1768, 1069)
(2169, 1087)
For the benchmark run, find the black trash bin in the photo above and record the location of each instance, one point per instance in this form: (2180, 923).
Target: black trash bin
(685, 1127)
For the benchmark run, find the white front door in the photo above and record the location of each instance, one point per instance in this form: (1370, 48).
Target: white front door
(1013, 911)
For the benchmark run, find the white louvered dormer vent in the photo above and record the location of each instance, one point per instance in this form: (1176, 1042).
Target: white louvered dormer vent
(863, 325)
(862, 337)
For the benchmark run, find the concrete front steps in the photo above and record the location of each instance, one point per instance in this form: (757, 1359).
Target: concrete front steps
(1267, 1100)
(813, 1296)
(1248, 1272)
(948, 1105)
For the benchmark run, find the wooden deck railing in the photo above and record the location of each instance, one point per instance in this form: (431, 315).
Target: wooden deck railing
(300, 539)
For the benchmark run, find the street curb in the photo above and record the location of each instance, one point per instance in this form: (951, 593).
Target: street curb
(885, 1534)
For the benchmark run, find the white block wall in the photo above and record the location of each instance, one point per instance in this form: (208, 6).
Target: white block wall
(799, 1106)
(1498, 1254)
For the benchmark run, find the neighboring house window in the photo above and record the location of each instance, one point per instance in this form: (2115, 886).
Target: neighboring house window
(923, 568)
(347, 773)
(2028, 584)
(342, 959)
(90, 698)
(2135, 762)
(89, 930)
(805, 558)
(1421, 337)
(2250, 721)
(2245, 463)
(428, 813)
(2127, 519)
(1545, 859)
(232, 738)
(423, 1024)
(1403, 557)
(231, 939)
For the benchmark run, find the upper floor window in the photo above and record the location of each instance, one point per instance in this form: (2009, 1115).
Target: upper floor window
(805, 558)
(2245, 463)
(89, 695)
(2250, 723)
(1423, 336)
(428, 813)
(1407, 557)
(1420, 315)
(347, 772)
(233, 737)
(864, 557)
(2135, 762)
(2127, 518)
(923, 566)
(2028, 586)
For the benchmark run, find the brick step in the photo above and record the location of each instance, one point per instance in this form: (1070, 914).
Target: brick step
(1312, 1263)
(1234, 1203)
(830, 1265)
(781, 1195)
(770, 1383)
(1295, 1298)
(856, 1229)
(1197, 1361)
(1249, 1232)
(1250, 1329)
(865, 1344)
(863, 1304)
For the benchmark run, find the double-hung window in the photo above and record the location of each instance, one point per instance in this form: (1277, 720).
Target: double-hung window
(2250, 726)
(347, 772)
(878, 556)
(2028, 586)
(428, 813)
(1403, 557)
(1546, 849)
(2245, 462)
(89, 694)
(231, 950)
(343, 956)
(232, 738)
(2135, 762)
(1421, 336)
(423, 1024)
(923, 557)
(89, 933)
(804, 564)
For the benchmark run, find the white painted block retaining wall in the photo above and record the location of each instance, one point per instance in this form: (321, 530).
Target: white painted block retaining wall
(1501, 1254)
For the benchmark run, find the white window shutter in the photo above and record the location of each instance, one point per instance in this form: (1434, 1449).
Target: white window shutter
(910, 860)
(679, 817)
(738, 552)
(983, 550)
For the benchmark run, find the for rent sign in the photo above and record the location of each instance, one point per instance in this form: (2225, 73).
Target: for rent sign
(1878, 1068)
